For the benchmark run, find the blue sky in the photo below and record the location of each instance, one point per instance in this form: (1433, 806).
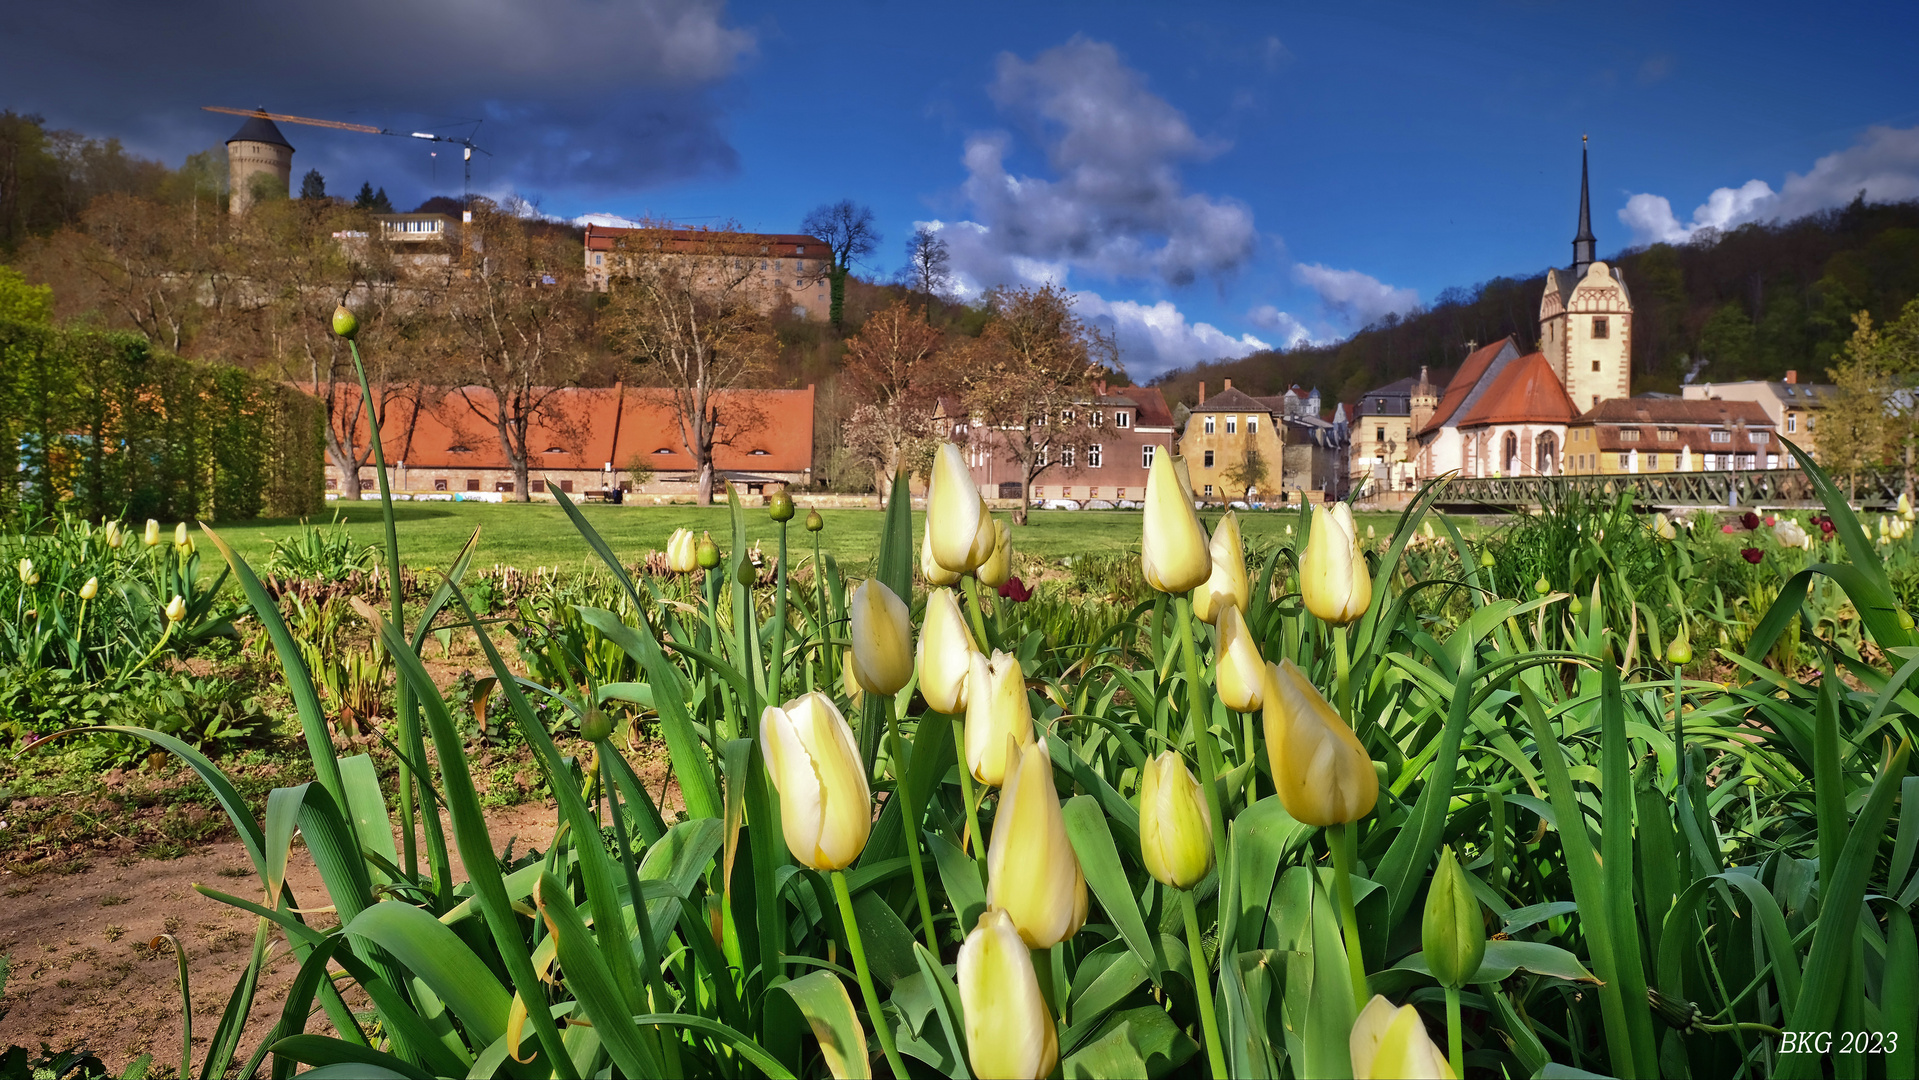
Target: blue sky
(1208, 180)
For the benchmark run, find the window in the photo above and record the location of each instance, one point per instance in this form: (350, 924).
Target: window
(1600, 329)
(1721, 435)
(1092, 493)
(1123, 419)
(334, 485)
(599, 259)
(959, 430)
(1209, 491)
(1625, 461)
(1772, 461)
(366, 483)
(1379, 434)
(1652, 462)
(1595, 365)
(1146, 456)
(1066, 456)
(1066, 416)
(1095, 455)
(1232, 425)
(1810, 418)
(472, 484)
(1209, 425)
(1045, 456)
(1759, 438)
(439, 484)
(756, 453)
(1792, 423)
(1252, 425)
(504, 486)
(1098, 419)
(566, 486)
(1667, 434)
(1629, 434)
(1209, 459)
(663, 450)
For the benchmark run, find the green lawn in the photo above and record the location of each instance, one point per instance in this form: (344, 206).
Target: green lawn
(538, 534)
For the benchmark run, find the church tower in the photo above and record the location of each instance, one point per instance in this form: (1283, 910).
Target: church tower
(1585, 317)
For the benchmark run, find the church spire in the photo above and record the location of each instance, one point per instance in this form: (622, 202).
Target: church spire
(1584, 241)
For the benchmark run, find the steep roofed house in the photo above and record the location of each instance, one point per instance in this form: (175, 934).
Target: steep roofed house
(1664, 434)
(1227, 431)
(1442, 447)
(1792, 405)
(1518, 427)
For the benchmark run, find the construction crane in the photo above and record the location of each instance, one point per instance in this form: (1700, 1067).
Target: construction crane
(368, 129)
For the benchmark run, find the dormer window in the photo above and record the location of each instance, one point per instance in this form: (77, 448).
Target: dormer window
(663, 450)
(756, 453)
(459, 448)
(556, 449)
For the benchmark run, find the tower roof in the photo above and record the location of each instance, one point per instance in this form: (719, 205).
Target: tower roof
(261, 130)
(1583, 241)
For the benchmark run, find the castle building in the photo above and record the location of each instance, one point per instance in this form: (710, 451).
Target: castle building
(259, 163)
(783, 271)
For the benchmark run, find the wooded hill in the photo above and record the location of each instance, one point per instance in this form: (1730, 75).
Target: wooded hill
(1753, 302)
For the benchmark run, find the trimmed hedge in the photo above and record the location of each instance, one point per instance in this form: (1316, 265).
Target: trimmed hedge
(103, 425)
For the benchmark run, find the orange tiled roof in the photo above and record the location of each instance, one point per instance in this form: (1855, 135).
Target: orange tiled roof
(1463, 382)
(1526, 392)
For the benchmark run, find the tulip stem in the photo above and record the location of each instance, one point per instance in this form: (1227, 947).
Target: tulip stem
(1340, 838)
(966, 793)
(910, 816)
(854, 946)
(971, 584)
(829, 675)
(1203, 984)
(1199, 715)
(1343, 684)
(1454, 1048)
(773, 691)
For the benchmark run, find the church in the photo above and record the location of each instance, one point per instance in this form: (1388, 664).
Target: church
(1504, 414)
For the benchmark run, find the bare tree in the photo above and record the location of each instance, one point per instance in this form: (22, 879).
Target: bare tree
(1029, 382)
(518, 321)
(849, 232)
(892, 369)
(928, 270)
(683, 307)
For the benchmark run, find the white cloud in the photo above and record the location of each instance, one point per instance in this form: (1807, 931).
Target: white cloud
(1352, 297)
(1155, 337)
(1884, 164)
(1288, 329)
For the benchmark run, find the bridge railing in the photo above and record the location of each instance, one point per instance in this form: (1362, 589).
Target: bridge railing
(1752, 487)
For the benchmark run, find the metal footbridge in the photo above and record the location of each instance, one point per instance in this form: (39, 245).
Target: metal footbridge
(1753, 487)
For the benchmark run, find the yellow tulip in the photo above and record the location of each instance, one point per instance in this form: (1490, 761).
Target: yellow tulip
(1332, 574)
(935, 574)
(176, 609)
(946, 653)
(682, 555)
(1173, 552)
(1905, 507)
(999, 566)
(1008, 1029)
(1240, 675)
(115, 537)
(848, 683)
(1175, 828)
(1228, 586)
(180, 535)
(955, 513)
(153, 532)
(1031, 870)
(826, 809)
(27, 576)
(91, 589)
(996, 710)
(1392, 1044)
(1323, 774)
(882, 632)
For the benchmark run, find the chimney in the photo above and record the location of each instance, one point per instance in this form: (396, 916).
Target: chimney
(1792, 377)
(1202, 393)
(1229, 384)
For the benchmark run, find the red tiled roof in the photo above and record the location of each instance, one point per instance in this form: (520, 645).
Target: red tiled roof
(1652, 410)
(1152, 406)
(709, 242)
(1461, 386)
(762, 430)
(1526, 392)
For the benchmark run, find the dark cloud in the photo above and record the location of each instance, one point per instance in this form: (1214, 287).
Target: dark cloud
(578, 97)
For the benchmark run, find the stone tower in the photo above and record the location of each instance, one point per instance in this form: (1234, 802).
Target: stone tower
(257, 155)
(1585, 318)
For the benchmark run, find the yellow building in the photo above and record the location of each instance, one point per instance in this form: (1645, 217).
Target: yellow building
(1220, 434)
(1658, 435)
(1385, 447)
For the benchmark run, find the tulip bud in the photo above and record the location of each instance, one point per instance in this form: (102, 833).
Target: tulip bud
(1008, 1029)
(1173, 553)
(1427, 528)
(999, 566)
(596, 725)
(996, 710)
(115, 537)
(345, 323)
(1323, 774)
(1905, 506)
(1453, 934)
(1333, 578)
(1486, 559)
(946, 652)
(1905, 619)
(27, 576)
(1227, 587)
(1542, 586)
(826, 809)
(1031, 870)
(1575, 606)
(848, 683)
(176, 609)
(1240, 673)
(814, 522)
(930, 569)
(707, 553)
(180, 535)
(1679, 651)
(747, 574)
(91, 589)
(882, 632)
(1392, 1044)
(1175, 828)
(955, 513)
(682, 552)
(780, 506)
(152, 536)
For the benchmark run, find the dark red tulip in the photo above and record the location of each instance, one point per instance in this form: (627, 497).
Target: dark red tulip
(1753, 555)
(1015, 590)
(1749, 519)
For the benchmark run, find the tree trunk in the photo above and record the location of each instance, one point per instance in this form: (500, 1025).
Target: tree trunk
(1025, 499)
(705, 497)
(521, 492)
(341, 458)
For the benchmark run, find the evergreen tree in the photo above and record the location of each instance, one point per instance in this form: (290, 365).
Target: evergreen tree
(381, 204)
(364, 200)
(313, 185)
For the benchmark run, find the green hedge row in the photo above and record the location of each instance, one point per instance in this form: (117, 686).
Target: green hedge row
(103, 425)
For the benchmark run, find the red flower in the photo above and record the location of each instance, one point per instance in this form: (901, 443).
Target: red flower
(1749, 519)
(1015, 590)
(1753, 555)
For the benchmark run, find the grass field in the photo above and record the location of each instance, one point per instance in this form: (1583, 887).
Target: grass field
(538, 534)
